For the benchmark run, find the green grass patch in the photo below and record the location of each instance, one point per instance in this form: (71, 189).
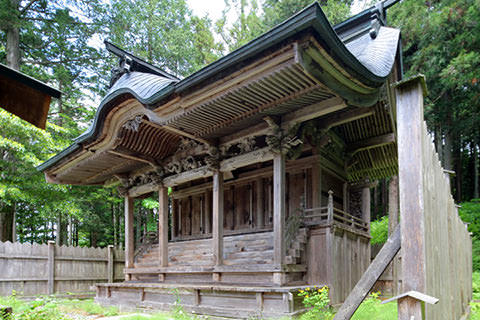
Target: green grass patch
(86, 307)
(372, 308)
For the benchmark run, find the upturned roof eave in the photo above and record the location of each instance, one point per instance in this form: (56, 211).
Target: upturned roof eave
(311, 17)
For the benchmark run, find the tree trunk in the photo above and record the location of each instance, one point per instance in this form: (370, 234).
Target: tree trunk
(114, 220)
(13, 38)
(6, 222)
(459, 171)
(476, 164)
(439, 142)
(58, 239)
(14, 223)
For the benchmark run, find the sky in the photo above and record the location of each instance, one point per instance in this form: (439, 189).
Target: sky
(213, 8)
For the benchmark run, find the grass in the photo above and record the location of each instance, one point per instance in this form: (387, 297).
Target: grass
(372, 308)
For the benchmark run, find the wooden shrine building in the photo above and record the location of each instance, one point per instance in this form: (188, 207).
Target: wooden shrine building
(270, 153)
(25, 96)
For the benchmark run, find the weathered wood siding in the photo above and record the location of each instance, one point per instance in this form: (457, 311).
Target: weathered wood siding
(337, 258)
(448, 246)
(192, 212)
(25, 268)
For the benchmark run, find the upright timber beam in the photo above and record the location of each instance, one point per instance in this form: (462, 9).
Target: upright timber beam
(279, 208)
(392, 224)
(409, 97)
(366, 204)
(129, 235)
(163, 225)
(217, 207)
(316, 185)
(260, 217)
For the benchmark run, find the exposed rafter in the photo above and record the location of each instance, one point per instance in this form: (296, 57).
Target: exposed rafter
(370, 143)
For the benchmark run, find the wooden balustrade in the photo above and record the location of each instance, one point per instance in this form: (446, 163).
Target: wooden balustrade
(331, 215)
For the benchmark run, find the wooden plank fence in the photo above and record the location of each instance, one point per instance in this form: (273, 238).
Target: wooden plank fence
(31, 269)
(436, 245)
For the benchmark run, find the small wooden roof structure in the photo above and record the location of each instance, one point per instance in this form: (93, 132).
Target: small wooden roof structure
(25, 96)
(302, 70)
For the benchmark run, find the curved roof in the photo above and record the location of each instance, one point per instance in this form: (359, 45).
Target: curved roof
(353, 65)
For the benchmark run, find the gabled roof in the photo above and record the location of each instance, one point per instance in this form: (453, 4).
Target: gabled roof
(352, 65)
(25, 96)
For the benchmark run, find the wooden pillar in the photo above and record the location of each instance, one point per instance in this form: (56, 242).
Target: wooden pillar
(316, 185)
(217, 206)
(409, 99)
(260, 218)
(163, 226)
(345, 198)
(173, 226)
(392, 224)
(366, 204)
(129, 235)
(208, 211)
(278, 209)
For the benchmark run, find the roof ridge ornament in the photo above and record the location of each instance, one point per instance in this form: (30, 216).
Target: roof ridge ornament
(124, 66)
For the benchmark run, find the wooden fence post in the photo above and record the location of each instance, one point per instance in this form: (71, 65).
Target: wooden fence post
(111, 264)
(410, 174)
(51, 267)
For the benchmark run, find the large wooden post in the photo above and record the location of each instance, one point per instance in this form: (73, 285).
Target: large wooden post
(208, 211)
(217, 206)
(410, 173)
(260, 216)
(392, 224)
(278, 209)
(129, 235)
(316, 185)
(366, 204)
(163, 226)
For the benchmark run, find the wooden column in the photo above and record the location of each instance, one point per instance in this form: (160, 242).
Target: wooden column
(129, 236)
(410, 174)
(260, 216)
(208, 211)
(173, 226)
(366, 204)
(217, 206)
(392, 224)
(278, 209)
(316, 185)
(163, 226)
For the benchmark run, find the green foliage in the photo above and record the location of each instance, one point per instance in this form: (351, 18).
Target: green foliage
(254, 20)
(475, 305)
(476, 285)
(317, 301)
(470, 213)
(164, 32)
(441, 39)
(40, 309)
(379, 230)
(371, 308)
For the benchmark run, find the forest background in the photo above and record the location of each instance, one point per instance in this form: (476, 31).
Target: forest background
(57, 41)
